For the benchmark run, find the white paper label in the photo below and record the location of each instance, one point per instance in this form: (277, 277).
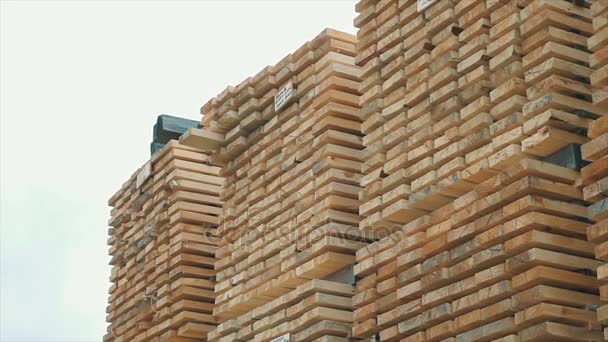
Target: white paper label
(284, 338)
(143, 175)
(424, 4)
(283, 96)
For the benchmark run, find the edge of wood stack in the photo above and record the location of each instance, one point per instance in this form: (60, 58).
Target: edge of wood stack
(594, 177)
(289, 139)
(163, 239)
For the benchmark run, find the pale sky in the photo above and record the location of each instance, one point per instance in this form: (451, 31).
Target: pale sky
(81, 85)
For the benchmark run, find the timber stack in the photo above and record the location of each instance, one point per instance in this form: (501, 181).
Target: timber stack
(474, 112)
(594, 176)
(443, 176)
(163, 239)
(289, 142)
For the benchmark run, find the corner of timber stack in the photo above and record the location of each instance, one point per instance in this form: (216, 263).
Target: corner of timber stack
(163, 240)
(289, 141)
(594, 177)
(441, 177)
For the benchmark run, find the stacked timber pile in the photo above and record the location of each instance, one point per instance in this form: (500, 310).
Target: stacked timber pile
(507, 259)
(163, 239)
(317, 310)
(595, 178)
(289, 139)
(474, 112)
(595, 175)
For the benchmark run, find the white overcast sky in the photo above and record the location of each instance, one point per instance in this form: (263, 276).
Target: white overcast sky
(81, 85)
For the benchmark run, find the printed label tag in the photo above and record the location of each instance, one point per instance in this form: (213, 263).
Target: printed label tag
(424, 4)
(284, 338)
(283, 96)
(143, 175)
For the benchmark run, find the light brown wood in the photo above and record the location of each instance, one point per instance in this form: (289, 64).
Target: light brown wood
(502, 85)
(163, 244)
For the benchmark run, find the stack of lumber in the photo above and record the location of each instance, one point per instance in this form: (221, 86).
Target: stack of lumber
(289, 140)
(508, 260)
(471, 109)
(163, 240)
(595, 178)
(317, 310)
(453, 93)
(595, 175)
